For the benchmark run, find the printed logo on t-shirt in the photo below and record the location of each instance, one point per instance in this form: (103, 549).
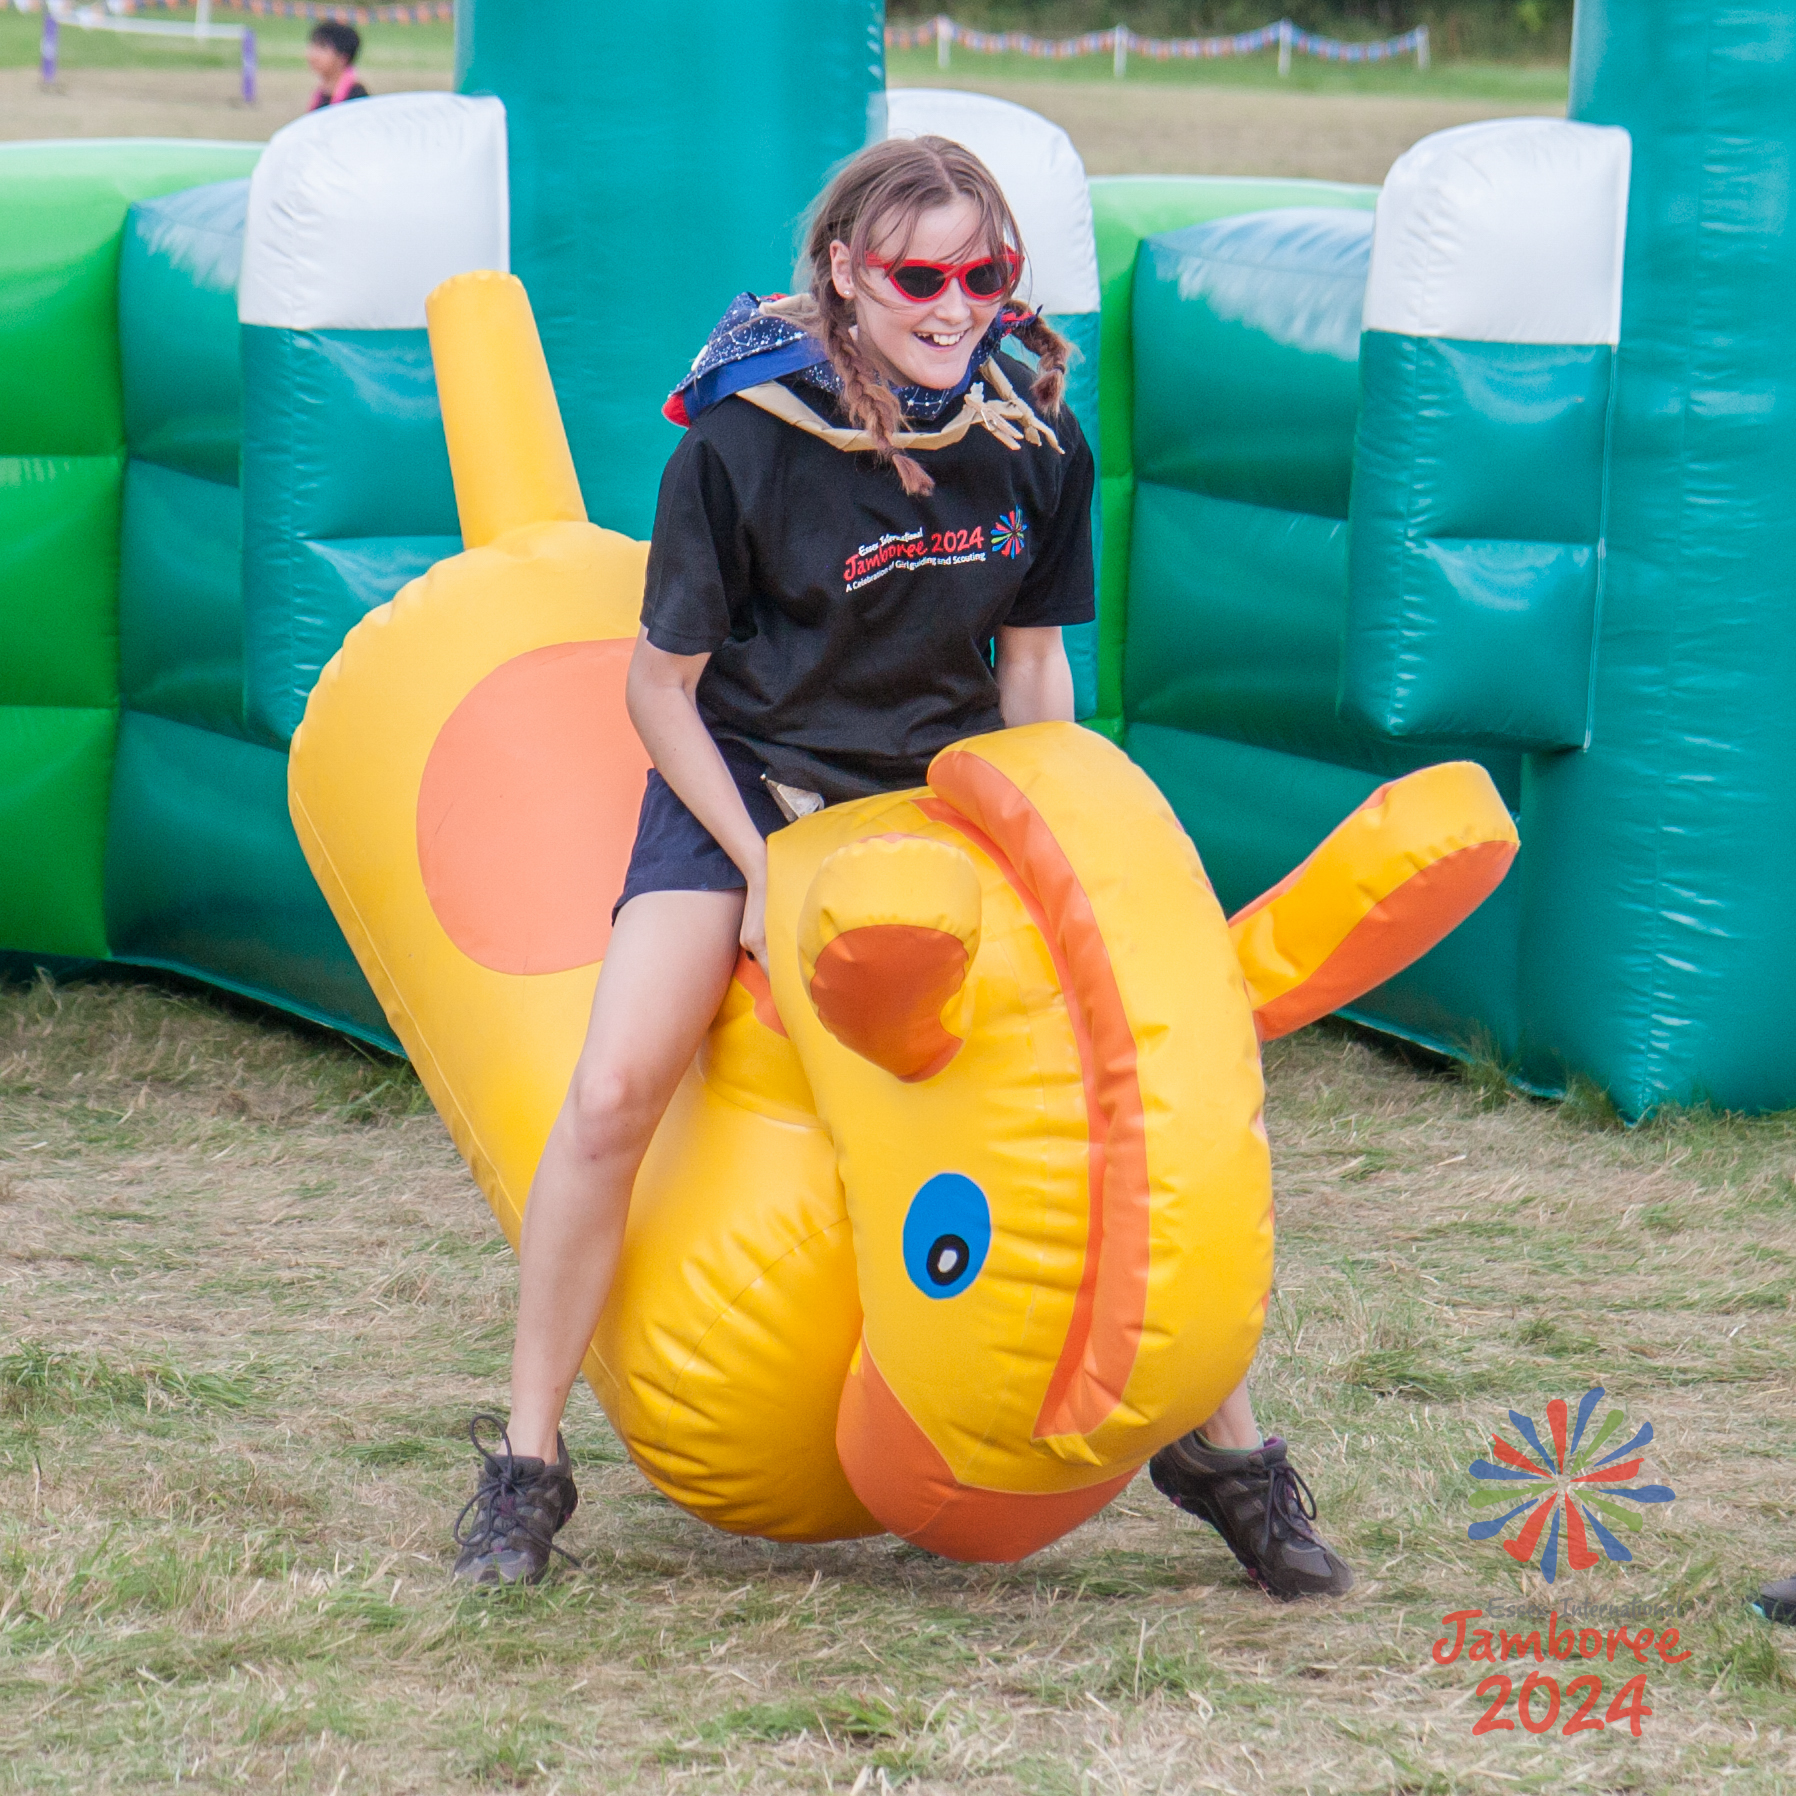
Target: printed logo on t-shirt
(1010, 533)
(911, 550)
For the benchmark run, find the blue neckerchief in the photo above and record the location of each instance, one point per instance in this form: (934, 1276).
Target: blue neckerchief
(747, 347)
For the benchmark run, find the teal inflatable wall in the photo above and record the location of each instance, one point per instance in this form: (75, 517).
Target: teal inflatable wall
(1663, 962)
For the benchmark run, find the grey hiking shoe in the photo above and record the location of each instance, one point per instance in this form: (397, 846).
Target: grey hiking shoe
(1777, 1602)
(519, 1507)
(1261, 1507)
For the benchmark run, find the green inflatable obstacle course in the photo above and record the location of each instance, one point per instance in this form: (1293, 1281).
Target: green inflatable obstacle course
(1493, 463)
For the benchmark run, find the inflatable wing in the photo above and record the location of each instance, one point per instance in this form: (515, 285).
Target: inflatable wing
(965, 1208)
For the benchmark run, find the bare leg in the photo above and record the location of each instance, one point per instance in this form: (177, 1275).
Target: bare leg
(1233, 1427)
(664, 976)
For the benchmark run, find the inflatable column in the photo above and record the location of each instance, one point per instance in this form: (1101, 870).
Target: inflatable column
(662, 157)
(1491, 314)
(203, 873)
(355, 214)
(1663, 959)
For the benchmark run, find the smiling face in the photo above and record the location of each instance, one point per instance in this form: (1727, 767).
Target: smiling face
(926, 343)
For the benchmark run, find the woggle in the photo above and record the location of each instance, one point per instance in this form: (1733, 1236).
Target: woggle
(965, 1207)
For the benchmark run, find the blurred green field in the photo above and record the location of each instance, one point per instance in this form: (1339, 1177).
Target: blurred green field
(280, 43)
(411, 48)
(1522, 84)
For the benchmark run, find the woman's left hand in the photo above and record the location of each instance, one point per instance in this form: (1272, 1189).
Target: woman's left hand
(754, 925)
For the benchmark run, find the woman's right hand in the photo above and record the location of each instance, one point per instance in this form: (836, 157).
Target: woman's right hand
(754, 924)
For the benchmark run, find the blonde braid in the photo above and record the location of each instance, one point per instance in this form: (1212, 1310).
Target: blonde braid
(869, 402)
(1051, 351)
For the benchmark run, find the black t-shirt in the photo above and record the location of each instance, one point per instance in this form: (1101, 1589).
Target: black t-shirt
(849, 625)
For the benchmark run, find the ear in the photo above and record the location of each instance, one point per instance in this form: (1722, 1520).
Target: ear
(841, 269)
(887, 933)
(1406, 869)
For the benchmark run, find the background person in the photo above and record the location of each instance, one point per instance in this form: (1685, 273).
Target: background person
(331, 51)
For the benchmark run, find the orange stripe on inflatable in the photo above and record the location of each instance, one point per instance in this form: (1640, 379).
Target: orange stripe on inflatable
(1108, 1309)
(1393, 934)
(897, 1472)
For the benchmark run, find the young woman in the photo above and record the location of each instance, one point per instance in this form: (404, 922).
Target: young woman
(800, 646)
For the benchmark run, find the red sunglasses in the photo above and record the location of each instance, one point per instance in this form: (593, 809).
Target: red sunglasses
(984, 279)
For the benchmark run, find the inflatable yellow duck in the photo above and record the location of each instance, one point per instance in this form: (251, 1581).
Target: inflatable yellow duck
(965, 1208)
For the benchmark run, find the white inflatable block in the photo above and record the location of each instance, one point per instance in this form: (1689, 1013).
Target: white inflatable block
(357, 211)
(1510, 231)
(1042, 177)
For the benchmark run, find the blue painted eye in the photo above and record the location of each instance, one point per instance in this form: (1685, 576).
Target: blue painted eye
(947, 1234)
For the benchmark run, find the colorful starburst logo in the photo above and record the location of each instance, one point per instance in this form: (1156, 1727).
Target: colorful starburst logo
(1008, 534)
(1569, 1482)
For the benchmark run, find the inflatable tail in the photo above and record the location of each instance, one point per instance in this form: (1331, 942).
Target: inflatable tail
(1404, 870)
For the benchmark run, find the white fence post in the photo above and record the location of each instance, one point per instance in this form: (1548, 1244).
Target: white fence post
(202, 19)
(1284, 46)
(1120, 44)
(1421, 46)
(944, 39)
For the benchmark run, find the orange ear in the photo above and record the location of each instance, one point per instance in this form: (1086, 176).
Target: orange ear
(1403, 871)
(889, 928)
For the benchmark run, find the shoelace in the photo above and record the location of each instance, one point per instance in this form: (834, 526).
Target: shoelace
(500, 1479)
(1289, 1501)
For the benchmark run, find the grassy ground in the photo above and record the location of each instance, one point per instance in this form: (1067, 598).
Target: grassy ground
(250, 1297)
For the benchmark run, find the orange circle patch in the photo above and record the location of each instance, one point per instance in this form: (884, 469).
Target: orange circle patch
(527, 809)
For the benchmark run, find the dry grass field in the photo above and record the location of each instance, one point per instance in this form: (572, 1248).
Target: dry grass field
(250, 1297)
(1332, 123)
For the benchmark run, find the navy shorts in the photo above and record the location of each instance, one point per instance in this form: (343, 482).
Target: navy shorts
(674, 852)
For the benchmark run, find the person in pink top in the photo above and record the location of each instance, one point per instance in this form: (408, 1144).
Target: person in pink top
(330, 54)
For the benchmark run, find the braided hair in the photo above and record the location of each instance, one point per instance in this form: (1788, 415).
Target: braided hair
(875, 202)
